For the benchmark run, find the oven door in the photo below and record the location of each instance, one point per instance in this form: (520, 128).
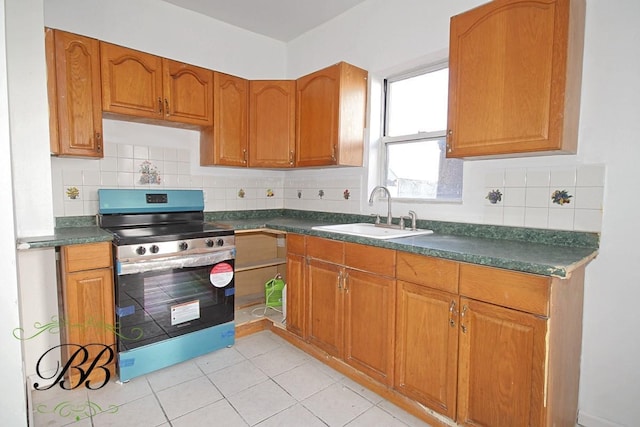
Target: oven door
(163, 298)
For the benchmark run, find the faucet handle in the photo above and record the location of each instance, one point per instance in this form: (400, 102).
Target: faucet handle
(377, 221)
(414, 218)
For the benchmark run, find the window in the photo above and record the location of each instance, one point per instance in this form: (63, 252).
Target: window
(415, 123)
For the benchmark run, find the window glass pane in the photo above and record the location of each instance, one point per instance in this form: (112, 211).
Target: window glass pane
(419, 169)
(417, 104)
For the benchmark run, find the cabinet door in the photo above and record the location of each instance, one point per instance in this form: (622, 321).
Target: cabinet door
(501, 366)
(514, 79)
(427, 346)
(272, 123)
(325, 305)
(317, 118)
(226, 143)
(77, 96)
(89, 320)
(296, 294)
(369, 319)
(131, 82)
(188, 93)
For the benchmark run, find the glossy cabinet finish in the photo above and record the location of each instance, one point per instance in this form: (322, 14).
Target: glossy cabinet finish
(426, 366)
(131, 82)
(520, 340)
(138, 84)
(272, 106)
(369, 323)
(188, 92)
(515, 69)
(73, 84)
(351, 308)
(482, 346)
(87, 308)
(227, 142)
(317, 120)
(296, 288)
(501, 366)
(330, 116)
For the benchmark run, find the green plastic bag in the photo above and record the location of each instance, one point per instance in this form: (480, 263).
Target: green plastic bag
(273, 292)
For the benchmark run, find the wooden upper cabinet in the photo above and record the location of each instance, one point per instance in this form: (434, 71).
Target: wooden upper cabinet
(188, 93)
(515, 70)
(226, 143)
(272, 105)
(138, 84)
(73, 68)
(330, 116)
(131, 82)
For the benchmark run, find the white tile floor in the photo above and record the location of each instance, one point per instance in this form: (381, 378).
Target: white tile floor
(261, 381)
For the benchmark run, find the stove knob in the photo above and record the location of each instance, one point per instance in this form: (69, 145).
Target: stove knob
(219, 242)
(183, 246)
(141, 250)
(209, 243)
(154, 249)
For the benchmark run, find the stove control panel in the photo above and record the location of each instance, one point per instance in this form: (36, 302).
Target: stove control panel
(175, 247)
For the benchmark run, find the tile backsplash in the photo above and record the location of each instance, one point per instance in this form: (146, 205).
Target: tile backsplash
(76, 181)
(562, 198)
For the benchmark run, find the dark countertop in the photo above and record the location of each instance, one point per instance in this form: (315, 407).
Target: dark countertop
(66, 236)
(545, 252)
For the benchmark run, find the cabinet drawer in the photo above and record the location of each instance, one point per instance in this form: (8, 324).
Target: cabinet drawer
(432, 272)
(370, 258)
(86, 257)
(295, 244)
(520, 291)
(325, 249)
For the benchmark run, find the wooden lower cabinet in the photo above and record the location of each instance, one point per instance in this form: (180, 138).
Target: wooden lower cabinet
(87, 313)
(296, 289)
(351, 312)
(369, 318)
(482, 346)
(501, 366)
(324, 284)
(426, 360)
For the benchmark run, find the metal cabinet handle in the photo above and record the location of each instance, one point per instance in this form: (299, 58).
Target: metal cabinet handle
(333, 153)
(345, 282)
(159, 105)
(166, 107)
(463, 327)
(291, 157)
(244, 155)
(98, 141)
(452, 314)
(339, 279)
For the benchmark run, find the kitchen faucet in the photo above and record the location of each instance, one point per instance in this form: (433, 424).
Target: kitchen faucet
(386, 190)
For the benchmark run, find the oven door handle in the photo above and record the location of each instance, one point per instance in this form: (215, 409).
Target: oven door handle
(124, 267)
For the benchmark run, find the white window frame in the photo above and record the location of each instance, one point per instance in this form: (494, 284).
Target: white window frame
(386, 140)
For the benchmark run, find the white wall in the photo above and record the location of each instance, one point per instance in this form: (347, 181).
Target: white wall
(163, 29)
(29, 118)
(379, 35)
(12, 392)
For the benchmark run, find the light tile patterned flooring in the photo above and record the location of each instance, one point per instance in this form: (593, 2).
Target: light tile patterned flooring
(261, 381)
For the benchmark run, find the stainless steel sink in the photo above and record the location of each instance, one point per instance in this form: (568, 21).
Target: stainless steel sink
(370, 231)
